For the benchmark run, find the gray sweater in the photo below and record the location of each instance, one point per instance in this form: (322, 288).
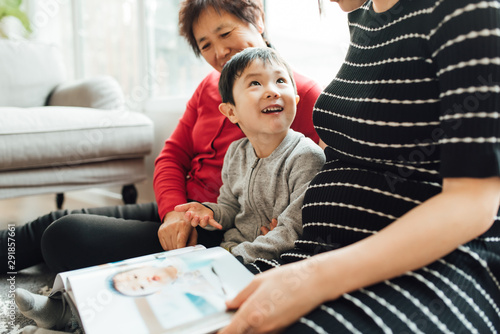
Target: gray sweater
(256, 190)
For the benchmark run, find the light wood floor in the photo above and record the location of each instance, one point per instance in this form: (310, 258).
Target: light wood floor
(23, 209)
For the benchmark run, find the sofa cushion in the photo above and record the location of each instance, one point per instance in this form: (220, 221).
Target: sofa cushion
(65, 136)
(30, 71)
(60, 179)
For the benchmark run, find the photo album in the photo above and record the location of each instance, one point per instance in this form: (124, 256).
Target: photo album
(179, 291)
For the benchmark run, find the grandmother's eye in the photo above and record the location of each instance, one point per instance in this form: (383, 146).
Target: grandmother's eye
(205, 47)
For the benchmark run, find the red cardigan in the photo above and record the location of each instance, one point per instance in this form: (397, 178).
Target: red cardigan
(189, 166)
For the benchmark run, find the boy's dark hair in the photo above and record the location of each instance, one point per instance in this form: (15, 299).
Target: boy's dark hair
(240, 61)
(190, 10)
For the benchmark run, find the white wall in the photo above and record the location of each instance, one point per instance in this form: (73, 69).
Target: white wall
(165, 114)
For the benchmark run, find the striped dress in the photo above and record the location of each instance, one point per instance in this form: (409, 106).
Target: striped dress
(417, 99)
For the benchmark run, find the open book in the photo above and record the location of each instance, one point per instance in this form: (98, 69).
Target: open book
(180, 291)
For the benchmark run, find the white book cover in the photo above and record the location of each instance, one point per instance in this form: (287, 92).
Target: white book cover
(181, 291)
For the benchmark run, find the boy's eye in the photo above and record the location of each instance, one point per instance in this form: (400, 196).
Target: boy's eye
(254, 83)
(281, 80)
(224, 35)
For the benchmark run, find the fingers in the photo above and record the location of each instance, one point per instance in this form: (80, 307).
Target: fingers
(183, 236)
(274, 223)
(161, 238)
(215, 224)
(193, 238)
(239, 324)
(242, 296)
(193, 219)
(205, 221)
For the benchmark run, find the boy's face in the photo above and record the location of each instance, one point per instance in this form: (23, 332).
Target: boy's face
(265, 100)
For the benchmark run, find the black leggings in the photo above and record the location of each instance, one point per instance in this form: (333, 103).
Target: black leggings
(81, 238)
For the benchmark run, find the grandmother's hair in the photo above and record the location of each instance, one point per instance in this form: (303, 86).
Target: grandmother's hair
(190, 11)
(240, 61)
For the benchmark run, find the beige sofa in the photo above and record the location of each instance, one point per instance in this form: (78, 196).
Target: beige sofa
(57, 136)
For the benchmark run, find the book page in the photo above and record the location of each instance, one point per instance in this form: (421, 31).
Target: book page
(60, 281)
(179, 293)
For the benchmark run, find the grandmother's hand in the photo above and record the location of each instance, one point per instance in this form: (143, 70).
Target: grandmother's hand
(175, 232)
(275, 299)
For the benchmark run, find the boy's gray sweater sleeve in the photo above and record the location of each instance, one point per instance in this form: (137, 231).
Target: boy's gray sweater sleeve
(301, 167)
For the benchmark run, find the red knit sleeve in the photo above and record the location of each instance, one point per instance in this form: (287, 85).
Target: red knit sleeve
(174, 161)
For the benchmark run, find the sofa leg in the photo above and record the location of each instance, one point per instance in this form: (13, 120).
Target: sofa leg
(129, 194)
(59, 200)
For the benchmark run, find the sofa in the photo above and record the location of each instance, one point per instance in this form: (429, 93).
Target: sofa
(58, 135)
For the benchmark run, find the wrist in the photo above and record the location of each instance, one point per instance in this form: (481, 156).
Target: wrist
(334, 274)
(172, 216)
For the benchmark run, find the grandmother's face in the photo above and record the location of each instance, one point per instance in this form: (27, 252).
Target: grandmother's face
(221, 35)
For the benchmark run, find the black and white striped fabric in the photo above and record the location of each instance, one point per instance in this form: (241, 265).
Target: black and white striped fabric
(416, 100)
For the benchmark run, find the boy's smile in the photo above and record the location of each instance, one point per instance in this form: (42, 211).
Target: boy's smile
(265, 102)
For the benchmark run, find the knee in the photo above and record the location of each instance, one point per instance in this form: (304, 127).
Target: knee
(61, 240)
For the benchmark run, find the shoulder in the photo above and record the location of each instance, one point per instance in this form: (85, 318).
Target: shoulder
(209, 83)
(444, 9)
(238, 147)
(461, 22)
(207, 92)
(211, 79)
(306, 150)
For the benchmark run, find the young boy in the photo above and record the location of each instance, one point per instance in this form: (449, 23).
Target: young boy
(264, 175)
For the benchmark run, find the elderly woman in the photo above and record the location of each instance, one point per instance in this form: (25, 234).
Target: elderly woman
(188, 168)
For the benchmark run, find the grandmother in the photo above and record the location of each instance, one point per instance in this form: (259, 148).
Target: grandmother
(188, 168)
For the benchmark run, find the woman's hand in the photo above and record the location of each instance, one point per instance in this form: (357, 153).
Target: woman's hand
(175, 232)
(275, 299)
(198, 214)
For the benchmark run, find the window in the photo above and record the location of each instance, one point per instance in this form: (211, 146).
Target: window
(177, 69)
(137, 42)
(314, 45)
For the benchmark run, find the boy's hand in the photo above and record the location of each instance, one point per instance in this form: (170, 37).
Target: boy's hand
(264, 230)
(198, 214)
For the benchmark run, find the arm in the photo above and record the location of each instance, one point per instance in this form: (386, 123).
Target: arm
(171, 169)
(227, 206)
(464, 210)
(308, 90)
(174, 162)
